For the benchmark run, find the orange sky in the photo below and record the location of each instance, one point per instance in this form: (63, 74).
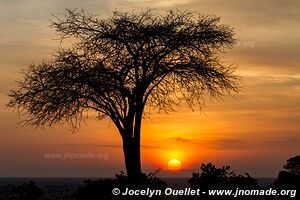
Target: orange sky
(255, 131)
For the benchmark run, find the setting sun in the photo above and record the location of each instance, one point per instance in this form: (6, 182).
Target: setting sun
(174, 165)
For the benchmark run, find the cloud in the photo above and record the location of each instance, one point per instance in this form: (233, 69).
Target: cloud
(290, 142)
(270, 25)
(231, 144)
(244, 142)
(182, 140)
(91, 145)
(108, 145)
(152, 146)
(217, 144)
(129, 4)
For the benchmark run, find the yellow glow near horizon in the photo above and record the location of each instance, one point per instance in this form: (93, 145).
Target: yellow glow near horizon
(174, 165)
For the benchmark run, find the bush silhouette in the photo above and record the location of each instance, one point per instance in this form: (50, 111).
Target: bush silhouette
(28, 191)
(7, 192)
(293, 165)
(102, 188)
(289, 179)
(212, 177)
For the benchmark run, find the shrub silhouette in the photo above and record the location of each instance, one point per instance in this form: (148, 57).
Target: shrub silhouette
(7, 192)
(28, 191)
(102, 188)
(289, 179)
(211, 177)
(293, 165)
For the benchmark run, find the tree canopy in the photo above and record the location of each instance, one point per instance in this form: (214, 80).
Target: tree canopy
(156, 59)
(117, 66)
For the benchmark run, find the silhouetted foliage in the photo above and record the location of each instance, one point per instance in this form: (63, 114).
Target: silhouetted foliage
(60, 192)
(119, 65)
(293, 165)
(289, 179)
(102, 188)
(29, 191)
(7, 192)
(211, 177)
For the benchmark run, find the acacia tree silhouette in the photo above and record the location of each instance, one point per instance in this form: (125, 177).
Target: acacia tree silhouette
(119, 65)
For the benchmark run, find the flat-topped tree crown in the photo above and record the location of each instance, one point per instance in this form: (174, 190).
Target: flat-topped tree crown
(120, 64)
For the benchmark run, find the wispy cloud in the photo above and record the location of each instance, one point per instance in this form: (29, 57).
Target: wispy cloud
(152, 3)
(277, 141)
(108, 145)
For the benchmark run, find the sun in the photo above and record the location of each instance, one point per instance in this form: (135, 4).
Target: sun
(174, 165)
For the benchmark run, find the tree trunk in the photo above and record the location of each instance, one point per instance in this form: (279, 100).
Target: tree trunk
(132, 155)
(131, 143)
